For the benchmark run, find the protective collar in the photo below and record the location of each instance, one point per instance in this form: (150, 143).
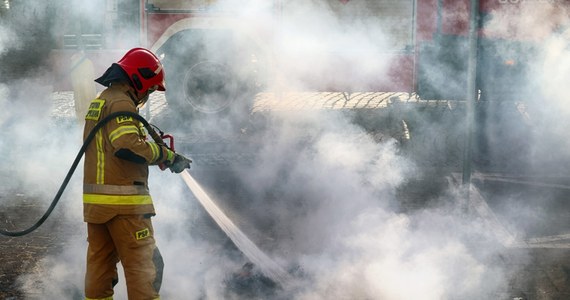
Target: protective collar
(113, 74)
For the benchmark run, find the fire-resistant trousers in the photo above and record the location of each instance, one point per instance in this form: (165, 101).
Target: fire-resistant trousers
(130, 240)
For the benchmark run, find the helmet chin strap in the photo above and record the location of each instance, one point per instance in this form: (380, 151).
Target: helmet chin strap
(146, 96)
(139, 102)
(143, 101)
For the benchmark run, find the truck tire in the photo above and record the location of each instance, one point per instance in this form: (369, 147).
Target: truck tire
(209, 73)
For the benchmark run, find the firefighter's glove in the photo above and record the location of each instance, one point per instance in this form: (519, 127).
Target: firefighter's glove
(179, 164)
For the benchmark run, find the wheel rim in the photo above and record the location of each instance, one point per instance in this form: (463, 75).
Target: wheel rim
(209, 87)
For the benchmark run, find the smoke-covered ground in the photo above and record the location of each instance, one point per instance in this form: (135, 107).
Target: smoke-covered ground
(354, 204)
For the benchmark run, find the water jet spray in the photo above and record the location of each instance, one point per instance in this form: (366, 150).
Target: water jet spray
(267, 266)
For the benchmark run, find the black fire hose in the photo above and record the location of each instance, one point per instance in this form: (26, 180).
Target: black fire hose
(88, 140)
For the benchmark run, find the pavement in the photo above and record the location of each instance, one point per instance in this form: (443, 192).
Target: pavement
(20, 255)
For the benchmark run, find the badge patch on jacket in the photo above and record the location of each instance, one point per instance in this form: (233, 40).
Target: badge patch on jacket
(122, 119)
(142, 234)
(95, 108)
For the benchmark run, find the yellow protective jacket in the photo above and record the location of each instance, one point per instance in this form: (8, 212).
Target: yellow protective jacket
(116, 162)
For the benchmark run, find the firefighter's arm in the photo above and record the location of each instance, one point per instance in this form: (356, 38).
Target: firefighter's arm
(127, 138)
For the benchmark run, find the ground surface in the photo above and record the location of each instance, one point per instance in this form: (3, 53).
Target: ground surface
(20, 254)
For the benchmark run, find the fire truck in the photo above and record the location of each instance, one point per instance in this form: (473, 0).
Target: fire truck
(219, 54)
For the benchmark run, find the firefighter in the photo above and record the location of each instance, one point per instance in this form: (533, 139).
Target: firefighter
(117, 205)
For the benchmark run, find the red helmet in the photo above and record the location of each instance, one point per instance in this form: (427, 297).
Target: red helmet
(144, 69)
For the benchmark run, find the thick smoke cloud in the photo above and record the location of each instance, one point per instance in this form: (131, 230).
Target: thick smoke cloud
(550, 139)
(330, 208)
(320, 196)
(7, 37)
(540, 32)
(39, 150)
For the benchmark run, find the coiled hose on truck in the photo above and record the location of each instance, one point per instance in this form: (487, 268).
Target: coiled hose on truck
(86, 142)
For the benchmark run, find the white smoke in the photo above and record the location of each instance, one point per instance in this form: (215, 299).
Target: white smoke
(28, 128)
(39, 151)
(320, 198)
(387, 257)
(330, 192)
(7, 37)
(329, 43)
(551, 103)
